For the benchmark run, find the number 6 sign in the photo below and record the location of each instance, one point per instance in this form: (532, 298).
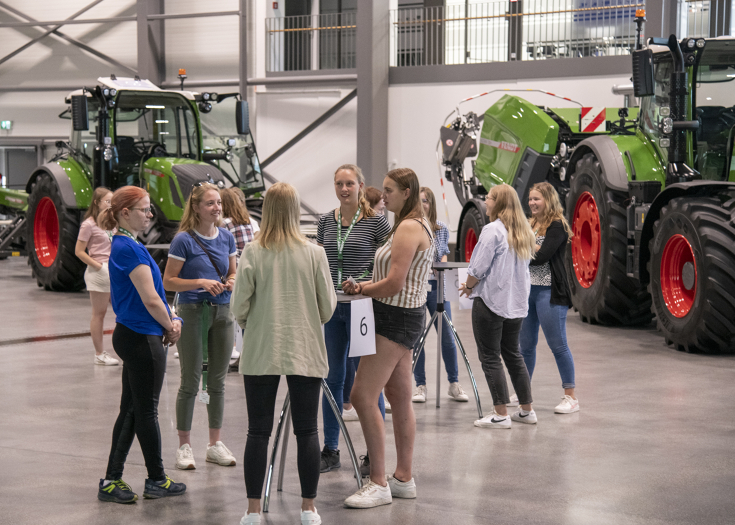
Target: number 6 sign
(362, 329)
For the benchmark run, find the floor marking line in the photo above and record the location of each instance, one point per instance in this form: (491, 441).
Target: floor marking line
(44, 338)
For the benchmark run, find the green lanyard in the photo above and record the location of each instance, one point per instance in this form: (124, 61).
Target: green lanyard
(341, 241)
(126, 232)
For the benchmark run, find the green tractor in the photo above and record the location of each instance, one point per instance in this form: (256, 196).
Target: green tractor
(164, 141)
(650, 196)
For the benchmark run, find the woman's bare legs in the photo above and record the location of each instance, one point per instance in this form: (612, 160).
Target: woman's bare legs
(99, 300)
(390, 367)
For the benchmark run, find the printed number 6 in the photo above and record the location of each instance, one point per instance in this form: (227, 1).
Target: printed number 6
(363, 327)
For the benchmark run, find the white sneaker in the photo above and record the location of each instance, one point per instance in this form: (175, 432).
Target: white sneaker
(310, 518)
(220, 454)
(419, 396)
(370, 495)
(176, 355)
(494, 421)
(185, 458)
(251, 519)
(456, 392)
(513, 401)
(235, 353)
(529, 418)
(350, 414)
(567, 406)
(401, 489)
(105, 359)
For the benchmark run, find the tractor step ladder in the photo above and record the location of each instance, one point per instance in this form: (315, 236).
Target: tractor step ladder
(10, 232)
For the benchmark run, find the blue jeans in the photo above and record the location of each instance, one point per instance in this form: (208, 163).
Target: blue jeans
(553, 321)
(449, 351)
(337, 339)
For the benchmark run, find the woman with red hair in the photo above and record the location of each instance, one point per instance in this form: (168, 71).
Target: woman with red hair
(144, 325)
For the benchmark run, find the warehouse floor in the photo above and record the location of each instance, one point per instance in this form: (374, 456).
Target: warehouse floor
(653, 442)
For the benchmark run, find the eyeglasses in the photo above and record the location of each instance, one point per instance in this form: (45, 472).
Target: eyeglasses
(144, 210)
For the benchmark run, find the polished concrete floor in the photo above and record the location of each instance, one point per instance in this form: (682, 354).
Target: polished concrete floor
(653, 444)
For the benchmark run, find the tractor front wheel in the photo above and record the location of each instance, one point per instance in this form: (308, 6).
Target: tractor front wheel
(601, 290)
(52, 237)
(692, 269)
(469, 233)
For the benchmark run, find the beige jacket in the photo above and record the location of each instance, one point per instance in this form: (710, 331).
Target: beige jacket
(282, 298)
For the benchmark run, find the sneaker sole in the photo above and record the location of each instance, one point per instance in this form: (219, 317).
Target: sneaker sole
(414, 400)
(460, 399)
(525, 421)
(231, 464)
(350, 419)
(105, 364)
(112, 499)
(186, 467)
(556, 411)
(369, 504)
(330, 469)
(493, 426)
(165, 494)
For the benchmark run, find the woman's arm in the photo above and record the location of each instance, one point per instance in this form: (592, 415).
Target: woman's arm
(143, 281)
(80, 250)
(173, 283)
(466, 287)
(232, 270)
(406, 241)
(555, 237)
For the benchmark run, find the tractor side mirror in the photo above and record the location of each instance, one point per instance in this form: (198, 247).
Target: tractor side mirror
(79, 115)
(242, 117)
(643, 73)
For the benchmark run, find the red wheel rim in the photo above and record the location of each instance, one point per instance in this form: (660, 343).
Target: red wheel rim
(678, 276)
(586, 240)
(470, 241)
(46, 232)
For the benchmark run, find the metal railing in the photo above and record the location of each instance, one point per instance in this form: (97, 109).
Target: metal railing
(311, 42)
(500, 31)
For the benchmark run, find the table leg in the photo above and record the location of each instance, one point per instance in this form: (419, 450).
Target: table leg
(271, 465)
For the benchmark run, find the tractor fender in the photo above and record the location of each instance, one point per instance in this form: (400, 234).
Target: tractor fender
(63, 182)
(608, 154)
(697, 188)
(479, 204)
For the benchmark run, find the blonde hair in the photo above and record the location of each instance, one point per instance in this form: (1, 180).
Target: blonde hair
(190, 219)
(367, 210)
(233, 208)
(432, 208)
(94, 208)
(125, 197)
(281, 217)
(406, 179)
(553, 210)
(510, 212)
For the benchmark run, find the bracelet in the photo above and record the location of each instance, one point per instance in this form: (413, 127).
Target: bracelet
(469, 287)
(178, 319)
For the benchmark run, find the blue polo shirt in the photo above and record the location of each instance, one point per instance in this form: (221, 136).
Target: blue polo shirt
(126, 256)
(197, 265)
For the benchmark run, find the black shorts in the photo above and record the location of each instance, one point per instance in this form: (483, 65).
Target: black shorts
(401, 325)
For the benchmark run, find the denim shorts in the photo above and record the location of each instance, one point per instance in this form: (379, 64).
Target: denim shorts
(401, 325)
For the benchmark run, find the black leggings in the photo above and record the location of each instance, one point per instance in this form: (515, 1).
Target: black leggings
(144, 365)
(260, 394)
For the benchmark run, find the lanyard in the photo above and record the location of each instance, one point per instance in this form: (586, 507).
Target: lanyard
(341, 241)
(126, 232)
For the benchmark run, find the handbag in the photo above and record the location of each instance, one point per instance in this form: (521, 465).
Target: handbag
(222, 276)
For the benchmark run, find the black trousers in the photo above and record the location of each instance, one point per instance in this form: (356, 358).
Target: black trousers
(260, 394)
(497, 336)
(144, 365)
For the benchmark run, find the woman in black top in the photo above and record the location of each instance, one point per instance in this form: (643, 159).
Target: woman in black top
(550, 298)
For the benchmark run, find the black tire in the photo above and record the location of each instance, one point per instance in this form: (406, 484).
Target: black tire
(601, 290)
(471, 222)
(62, 271)
(699, 315)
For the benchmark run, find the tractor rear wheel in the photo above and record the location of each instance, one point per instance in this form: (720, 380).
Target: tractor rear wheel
(52, 237)
(469, 233)
(601, 290)
(692, 269)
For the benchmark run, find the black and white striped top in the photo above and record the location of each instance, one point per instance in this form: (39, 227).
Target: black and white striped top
(359, 250)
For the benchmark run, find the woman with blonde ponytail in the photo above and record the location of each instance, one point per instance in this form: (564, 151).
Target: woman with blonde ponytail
(499, 281)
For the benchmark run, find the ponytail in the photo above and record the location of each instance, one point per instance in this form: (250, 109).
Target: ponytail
(106, 220)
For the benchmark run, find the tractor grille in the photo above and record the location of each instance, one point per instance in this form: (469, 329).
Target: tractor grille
(190, 174)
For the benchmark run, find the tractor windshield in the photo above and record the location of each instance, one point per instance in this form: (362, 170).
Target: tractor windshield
(715, 108)
(650, 113)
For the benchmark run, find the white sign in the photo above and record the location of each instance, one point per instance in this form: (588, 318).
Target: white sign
(362, 329)
(464, 302)
(451, 290)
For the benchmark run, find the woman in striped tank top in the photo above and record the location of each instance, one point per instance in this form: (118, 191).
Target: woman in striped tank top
(398, 289)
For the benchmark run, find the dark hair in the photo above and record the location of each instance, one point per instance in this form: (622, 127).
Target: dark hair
(406, 179)
(94, 208)
(373, 196)
(233, 208)
(125, 197)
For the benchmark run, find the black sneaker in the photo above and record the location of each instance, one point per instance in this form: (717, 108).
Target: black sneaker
(364, 466)
(330, 460)
(162, 489)
(116, 492)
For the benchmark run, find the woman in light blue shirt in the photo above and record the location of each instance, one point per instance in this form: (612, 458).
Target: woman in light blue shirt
(499, 281)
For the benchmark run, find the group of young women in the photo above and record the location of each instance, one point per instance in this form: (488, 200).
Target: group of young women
(281, 289)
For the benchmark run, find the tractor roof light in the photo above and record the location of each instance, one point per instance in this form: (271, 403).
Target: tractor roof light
(700, 43)
(113, 92)
(213, 96)
(691, 43)
(667, 125)
(106, 92)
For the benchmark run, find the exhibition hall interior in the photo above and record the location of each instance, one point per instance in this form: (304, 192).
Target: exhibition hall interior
(367, 261)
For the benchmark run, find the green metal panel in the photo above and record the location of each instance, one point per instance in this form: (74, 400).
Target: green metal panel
(156, 173)
(648, 164)
(15, 199)
(79, 177)
(510, 126)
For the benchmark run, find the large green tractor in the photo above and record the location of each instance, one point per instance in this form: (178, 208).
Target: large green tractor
(650, 195)
(127, 131)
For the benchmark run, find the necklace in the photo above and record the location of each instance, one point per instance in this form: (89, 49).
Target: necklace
(127, 233)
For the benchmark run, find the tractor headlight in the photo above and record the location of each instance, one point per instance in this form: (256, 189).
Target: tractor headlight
(205, 107)
(691, 43)
(664, 143)
(106, 92)
(213, 96)
(700, 43)
(228, 156)
(107, 155)
(205, 96)
(667, 125)
(113, 92)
